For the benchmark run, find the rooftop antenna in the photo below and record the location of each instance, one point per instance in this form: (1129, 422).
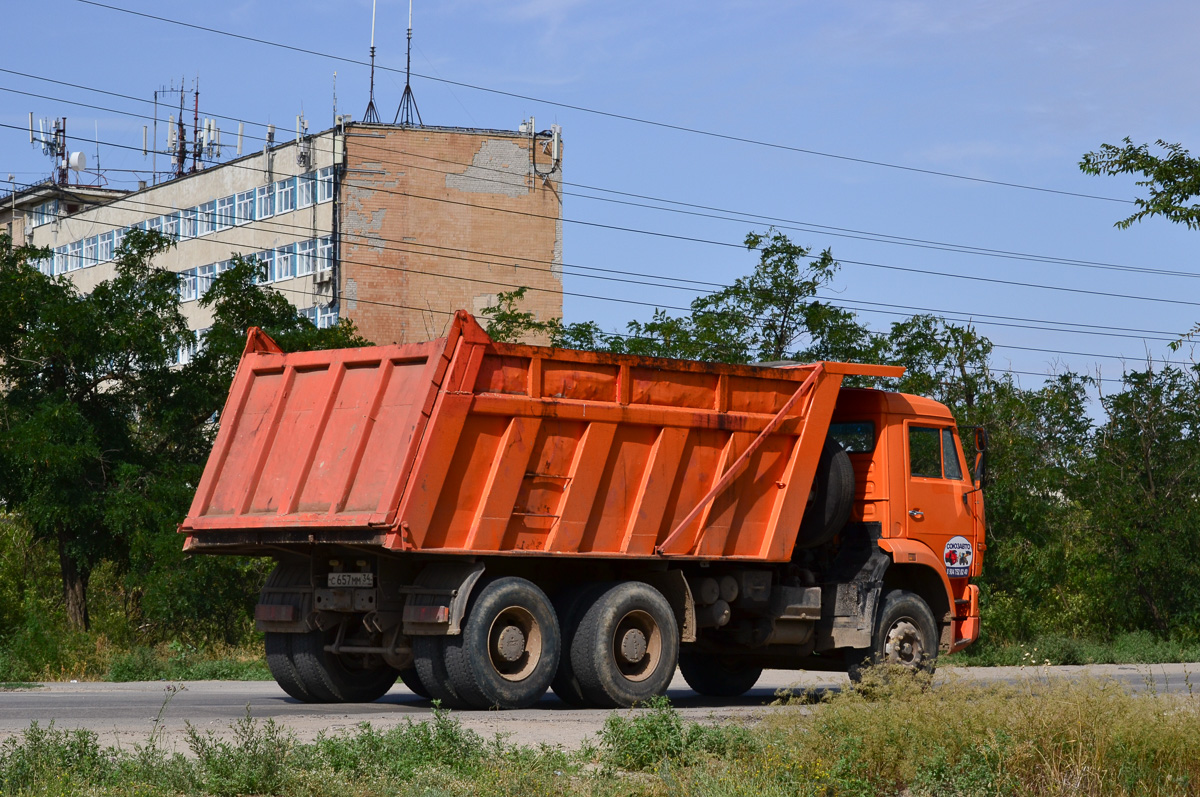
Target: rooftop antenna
(371, 115)
(408, 103)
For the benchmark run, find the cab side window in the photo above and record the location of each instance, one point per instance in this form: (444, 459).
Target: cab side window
(950, 456)
(924, 452)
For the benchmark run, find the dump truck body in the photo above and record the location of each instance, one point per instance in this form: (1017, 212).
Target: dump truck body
(392, 481)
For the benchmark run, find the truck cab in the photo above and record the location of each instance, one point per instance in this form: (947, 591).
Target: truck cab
(915, 488)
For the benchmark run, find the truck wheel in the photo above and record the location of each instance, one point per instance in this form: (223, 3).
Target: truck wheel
(509, 648)
(906, 634)
(831, 499)
(626, 647)
(429, 660)
(412, 680)
(330, 678)
(713, 676)
(571, 607)
(278, 645)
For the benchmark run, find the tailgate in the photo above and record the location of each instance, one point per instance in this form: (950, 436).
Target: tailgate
(322, 438)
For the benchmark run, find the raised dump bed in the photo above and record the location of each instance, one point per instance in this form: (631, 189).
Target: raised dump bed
(466, 445)
(487, 520)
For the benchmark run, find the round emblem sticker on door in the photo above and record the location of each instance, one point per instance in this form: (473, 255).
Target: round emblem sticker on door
(957, 557)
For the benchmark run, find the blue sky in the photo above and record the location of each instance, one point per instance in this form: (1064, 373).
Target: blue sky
(1012, 92)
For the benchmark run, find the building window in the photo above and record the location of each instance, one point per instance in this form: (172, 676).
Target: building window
(89, 252)
(282, 264)
(119, 238)
(60, 260)
(155, 224)
(285, 195)
(187, 224)
(188, 351)
(171, 226)
(104, 247)
(325, 253)
(311, 314)
(204, 279)
(266, 201)
(306, 257)
(44, 213)
(325, 184)
(266, 265)
(206, 218)
(225, 218)
(327, 317)
(245, 207)
(74, 255)
(306, 190)
(187, 285)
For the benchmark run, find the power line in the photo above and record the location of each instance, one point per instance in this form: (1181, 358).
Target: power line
(613, 115)
(602, 298)
(405, 248)
(779, 222)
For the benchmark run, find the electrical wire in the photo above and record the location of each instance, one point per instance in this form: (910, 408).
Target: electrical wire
(701, 211)
(613, 115)
(406, 248)
(477, 280)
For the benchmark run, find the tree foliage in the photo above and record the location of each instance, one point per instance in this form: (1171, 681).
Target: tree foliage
(1172, 179)
(103, 435)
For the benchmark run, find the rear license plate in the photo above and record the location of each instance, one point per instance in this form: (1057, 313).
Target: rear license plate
(351, 580)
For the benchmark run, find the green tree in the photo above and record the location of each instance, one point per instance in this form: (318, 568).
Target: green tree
(1142, 487)
(1172, 179)
(102, 434)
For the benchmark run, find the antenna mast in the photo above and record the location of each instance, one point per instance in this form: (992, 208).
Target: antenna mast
(371, 115)
(408, 103)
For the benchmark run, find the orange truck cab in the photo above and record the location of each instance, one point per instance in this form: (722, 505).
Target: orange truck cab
(486, 521)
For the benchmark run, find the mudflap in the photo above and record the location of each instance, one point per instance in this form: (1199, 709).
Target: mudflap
(850, 597)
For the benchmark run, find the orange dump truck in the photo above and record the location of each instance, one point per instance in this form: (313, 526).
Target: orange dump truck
(488, 520)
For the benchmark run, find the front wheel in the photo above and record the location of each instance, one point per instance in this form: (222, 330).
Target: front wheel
(906, 635)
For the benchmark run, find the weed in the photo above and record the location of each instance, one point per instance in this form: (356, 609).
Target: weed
(644, 739)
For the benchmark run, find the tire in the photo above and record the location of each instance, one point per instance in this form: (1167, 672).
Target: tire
(279, 645)
(571, 607)
(330, 678)
(412, 681)
(906, 634)
(713, 676)
(626, 647)
(509, 648)
(832, 497)
(429, 660)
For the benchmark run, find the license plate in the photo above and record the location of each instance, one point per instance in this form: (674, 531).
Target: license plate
(351, 580)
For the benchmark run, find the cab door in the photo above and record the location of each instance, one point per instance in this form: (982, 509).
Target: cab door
(936, 483)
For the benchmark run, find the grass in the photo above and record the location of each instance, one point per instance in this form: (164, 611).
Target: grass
(893, 735)
(1138, 647)
(85, 657)
(10, 686)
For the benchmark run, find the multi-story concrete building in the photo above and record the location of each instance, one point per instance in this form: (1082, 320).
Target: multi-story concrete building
(392, 227)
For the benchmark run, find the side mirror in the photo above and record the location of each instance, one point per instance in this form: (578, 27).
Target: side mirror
(981, 447)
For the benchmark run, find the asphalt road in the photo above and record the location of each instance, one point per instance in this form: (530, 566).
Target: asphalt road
(125, 713)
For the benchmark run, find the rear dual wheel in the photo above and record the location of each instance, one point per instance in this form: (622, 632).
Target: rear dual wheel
(623, 648)
(506, 655)
(301, 665)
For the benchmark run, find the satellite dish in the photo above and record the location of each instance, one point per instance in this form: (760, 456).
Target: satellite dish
(77, 161)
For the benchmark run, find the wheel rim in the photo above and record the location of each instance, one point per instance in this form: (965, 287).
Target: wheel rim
(515, 643)
(637, 646)
(903, 644)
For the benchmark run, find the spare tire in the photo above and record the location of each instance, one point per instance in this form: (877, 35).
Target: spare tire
(831, 498)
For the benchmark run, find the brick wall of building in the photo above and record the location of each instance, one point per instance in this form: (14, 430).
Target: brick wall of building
(433, 220)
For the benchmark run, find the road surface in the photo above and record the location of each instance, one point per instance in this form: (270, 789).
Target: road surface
(125, 713)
